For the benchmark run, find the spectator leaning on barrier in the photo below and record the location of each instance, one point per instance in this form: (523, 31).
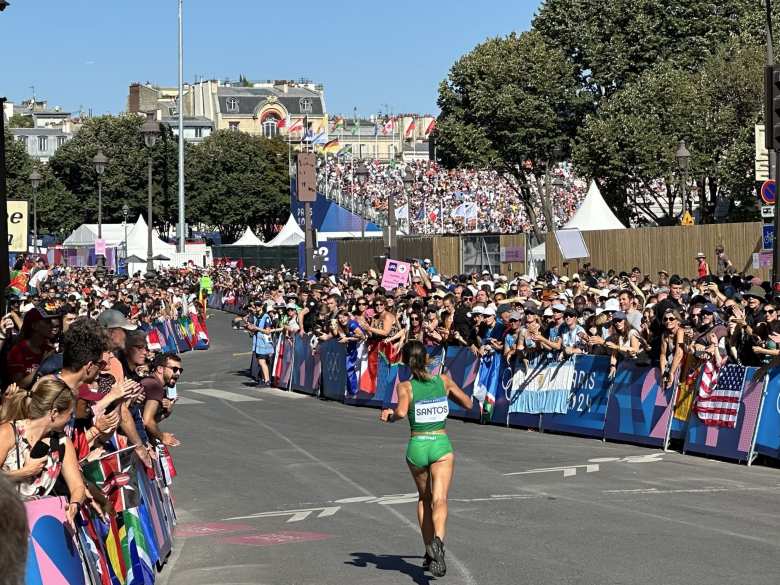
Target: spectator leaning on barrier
(164, 373)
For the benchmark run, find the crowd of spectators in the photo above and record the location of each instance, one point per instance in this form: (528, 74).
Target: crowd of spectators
(657, 319)
(443, 200)
(78, 379)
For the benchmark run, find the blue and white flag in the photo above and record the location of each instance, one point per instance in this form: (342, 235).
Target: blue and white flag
(542, 389)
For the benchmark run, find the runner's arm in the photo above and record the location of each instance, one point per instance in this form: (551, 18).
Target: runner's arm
(402, 408)
(455, 393)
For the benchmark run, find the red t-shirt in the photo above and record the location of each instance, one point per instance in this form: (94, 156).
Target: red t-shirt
(22, 359)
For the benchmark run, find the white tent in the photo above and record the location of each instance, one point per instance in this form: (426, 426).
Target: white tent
(290, 235)
(594, 214)
(248, 239)
(85, 235)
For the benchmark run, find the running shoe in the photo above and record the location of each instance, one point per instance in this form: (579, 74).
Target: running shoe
(438, 566)
(427, 562)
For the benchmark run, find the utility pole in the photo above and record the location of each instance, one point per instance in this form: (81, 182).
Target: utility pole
(182, 235)
(5, 273)
(769, 131)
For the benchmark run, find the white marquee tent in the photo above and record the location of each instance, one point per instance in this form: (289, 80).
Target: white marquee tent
(290, 235)
(248, 239)
(592, 215)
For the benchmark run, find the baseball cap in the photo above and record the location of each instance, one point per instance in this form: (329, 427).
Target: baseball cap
(33, 315)
(427, 261)
(478, 310)
(113, 319)
(709, 308)
(559, 307)
(515, 316)
(489, 312)
(619, 315)
(612, 305)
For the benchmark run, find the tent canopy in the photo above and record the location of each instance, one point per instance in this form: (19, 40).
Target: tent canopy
(290, 235)
(85, 235)
(248, 239)
(594, 214)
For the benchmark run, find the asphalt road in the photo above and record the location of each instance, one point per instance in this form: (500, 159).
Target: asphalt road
(279, 488)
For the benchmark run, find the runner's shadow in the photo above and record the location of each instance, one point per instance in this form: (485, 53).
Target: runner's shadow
(395, 563)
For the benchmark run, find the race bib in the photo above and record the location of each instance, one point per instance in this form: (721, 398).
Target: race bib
(431, 411)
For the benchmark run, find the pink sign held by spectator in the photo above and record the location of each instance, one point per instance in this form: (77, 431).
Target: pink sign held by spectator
(100, 247)
(396, 274)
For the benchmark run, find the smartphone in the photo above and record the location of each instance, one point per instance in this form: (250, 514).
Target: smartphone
(171, 393)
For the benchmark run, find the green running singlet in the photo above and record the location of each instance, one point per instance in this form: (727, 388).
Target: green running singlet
(428, 412)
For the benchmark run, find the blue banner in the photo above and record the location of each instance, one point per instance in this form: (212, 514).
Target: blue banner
(306, 365)
(461, 365)
(327, 215)
(333, 357)
(726, 442)
(588, 399)
(639, 409)
(768, 438)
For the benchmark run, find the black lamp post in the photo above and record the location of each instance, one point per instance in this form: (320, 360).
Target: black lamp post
(4, 4)
(35, 181)
(100, 162)
(361, 173)
(151, 132)
(125, 213)
(683, 160)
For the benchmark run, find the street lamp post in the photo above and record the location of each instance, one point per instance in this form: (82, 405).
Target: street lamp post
(100, 162)
(361, 174)
(683, 159)
(35, 181)
(125, 213)
(151, 132)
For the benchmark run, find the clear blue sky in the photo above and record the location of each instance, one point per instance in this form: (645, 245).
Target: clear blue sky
(367, 54)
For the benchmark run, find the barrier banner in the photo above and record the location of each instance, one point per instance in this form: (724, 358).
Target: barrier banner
(726, 442)
(542, 387)
(201, 332)
(461, 365)
(588, 398)
(333, 359)
(174, 331)
(52, 555)
(283, 362)
(306, 371)
(639, 408)
(768, 437)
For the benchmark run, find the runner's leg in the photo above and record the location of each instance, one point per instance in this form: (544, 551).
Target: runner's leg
(422, 480)
(441, 477)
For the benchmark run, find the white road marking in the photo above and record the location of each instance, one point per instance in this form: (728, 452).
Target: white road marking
(705, 490)
(295, 515)
(194, 382)
(568, 471)
(283, 393)
(184, 401)
(229, 396)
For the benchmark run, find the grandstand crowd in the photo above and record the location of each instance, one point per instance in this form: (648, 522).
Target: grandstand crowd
(440, 200)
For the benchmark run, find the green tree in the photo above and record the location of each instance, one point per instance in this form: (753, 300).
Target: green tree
(630, 143)
(613, 43)
(125, 179)
(513, 105)
(55, 205)
(18, 166)
(237, 180)
(20, 121)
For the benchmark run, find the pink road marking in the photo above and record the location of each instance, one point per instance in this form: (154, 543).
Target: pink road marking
(193, 529)
(274, 538)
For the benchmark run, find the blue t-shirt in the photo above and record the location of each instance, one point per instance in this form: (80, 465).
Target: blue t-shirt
(262, 342)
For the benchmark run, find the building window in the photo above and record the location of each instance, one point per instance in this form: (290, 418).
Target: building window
(232, 104)
(198, 132)
(233, 125)
(43, 143)
(270, 125)
(305, 105)
(61, 140)
(23, 140)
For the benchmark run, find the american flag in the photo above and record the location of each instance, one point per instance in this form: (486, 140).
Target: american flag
(720, 393)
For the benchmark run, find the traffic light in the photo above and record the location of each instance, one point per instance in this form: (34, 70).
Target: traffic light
(772, 107)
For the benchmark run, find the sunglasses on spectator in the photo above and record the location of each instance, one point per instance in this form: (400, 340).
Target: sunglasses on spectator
(175, 369)
(769, 311)
(669, 319)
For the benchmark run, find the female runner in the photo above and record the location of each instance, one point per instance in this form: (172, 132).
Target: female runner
(429, 454)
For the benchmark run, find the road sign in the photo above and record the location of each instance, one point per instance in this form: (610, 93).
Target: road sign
(768, 239)
(307, 177)
(687, 219)
(767, 211)
(761, 161)
(769, 192)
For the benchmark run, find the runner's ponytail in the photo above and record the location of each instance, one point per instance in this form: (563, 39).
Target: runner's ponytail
(415, 356)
